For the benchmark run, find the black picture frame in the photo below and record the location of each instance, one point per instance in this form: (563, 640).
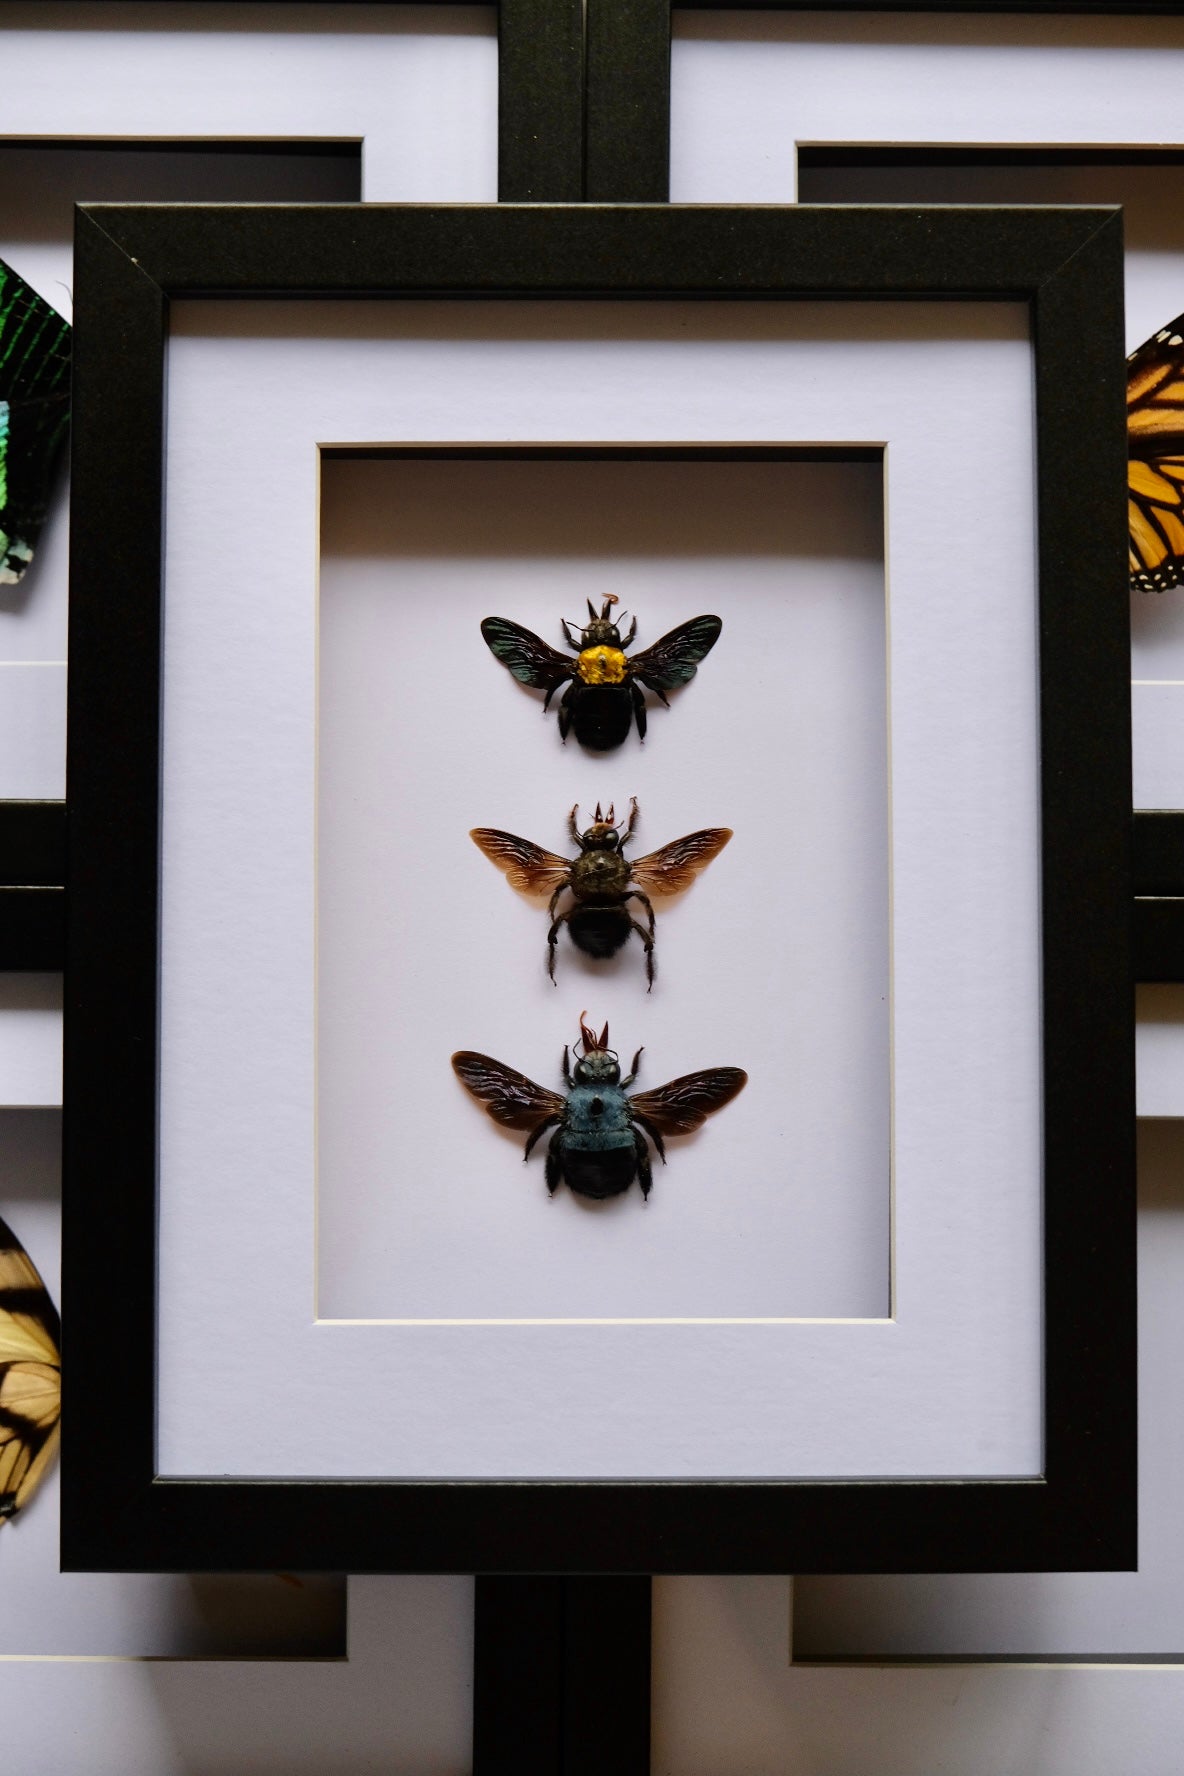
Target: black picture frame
(117, 1512)
(540, 160)
(627, 141)
(627, 61)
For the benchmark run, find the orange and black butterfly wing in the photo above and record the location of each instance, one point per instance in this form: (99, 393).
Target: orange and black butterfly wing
(1155, 469)
(525, 866)
(674, 867)
(509, 1097)
(30, 1375)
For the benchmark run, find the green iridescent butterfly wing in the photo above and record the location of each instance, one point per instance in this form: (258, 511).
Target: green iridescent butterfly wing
(34, 413)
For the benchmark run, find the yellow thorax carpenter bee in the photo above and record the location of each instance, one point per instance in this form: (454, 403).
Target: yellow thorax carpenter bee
(604, 696)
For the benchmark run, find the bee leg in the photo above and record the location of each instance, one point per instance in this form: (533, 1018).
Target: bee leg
(573, 829)
(565, 703)
(566, 1064)
(631, 822)
(645, 1174)
(539, 1129)
(553, 1172)
(551, 692)
(636, 894)
(655, 1134)
(632, 1073)
(647, 940)
(552, 941)
(627, 640)
(573, 641)
(554, 900)
(638, 707)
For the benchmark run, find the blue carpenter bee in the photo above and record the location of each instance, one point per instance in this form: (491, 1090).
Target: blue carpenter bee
(599, 879)
(599, 1144)
(604, 697)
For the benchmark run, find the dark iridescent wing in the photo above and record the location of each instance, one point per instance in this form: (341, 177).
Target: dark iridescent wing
(674, 867)
(510, 1098)
(531, 660)
(30, 1375)
(672, 660)
(686, 1103)
(524, 865)
(34, 411)
(1155, 468)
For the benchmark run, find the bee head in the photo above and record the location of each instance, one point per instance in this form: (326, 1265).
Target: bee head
(602, 835)
(601, 631)
(598, 1065)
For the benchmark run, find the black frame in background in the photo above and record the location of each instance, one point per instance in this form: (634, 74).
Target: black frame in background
(540, 160)
(628, 75)
(116, 1513)
(628, 161)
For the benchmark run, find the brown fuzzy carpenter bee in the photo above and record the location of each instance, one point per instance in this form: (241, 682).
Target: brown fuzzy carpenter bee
(599, 879)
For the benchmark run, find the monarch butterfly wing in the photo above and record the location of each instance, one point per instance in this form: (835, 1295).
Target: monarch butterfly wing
(1155, 470)
(30, 1375)
(34, 411)
(509, 1097)
(685, 1103)
(673, 658)
(674, 867)
(525, 866)
(530, 659)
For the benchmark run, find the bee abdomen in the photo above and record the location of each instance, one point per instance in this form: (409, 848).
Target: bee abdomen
(599, 930)
(601, 716)
(601, 1174)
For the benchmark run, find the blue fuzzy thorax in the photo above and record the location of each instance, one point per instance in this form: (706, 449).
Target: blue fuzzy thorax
(598, 1118)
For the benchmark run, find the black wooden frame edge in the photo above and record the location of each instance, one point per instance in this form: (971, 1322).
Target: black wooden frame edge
(115, 1513)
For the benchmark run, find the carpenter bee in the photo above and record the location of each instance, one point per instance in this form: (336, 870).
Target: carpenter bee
(599, 1144)
(598, 879)
(604, 696)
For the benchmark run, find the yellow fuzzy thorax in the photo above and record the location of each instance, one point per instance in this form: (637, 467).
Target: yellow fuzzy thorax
(601, 666)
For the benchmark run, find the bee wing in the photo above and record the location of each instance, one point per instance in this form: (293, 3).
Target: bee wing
(510, 1098)
(525, 654)
(673, 658)
(525, 866)
(674, 866)
(686, 1103)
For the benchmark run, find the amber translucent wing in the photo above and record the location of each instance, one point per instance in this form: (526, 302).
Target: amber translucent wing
(525, 866)
(525, 654)
(674, 866)
(672, 659)
(30, 1375)
(686, 1103)
(1155, 470)
(510, 1098)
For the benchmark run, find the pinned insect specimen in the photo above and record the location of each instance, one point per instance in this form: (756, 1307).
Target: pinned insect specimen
(599, 1143)
(30, 1376)
(598, 879)
(34, 410)
(604, 697)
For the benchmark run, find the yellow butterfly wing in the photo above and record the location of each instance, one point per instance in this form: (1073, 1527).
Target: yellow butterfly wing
(1155, 468)
(30, 1376)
